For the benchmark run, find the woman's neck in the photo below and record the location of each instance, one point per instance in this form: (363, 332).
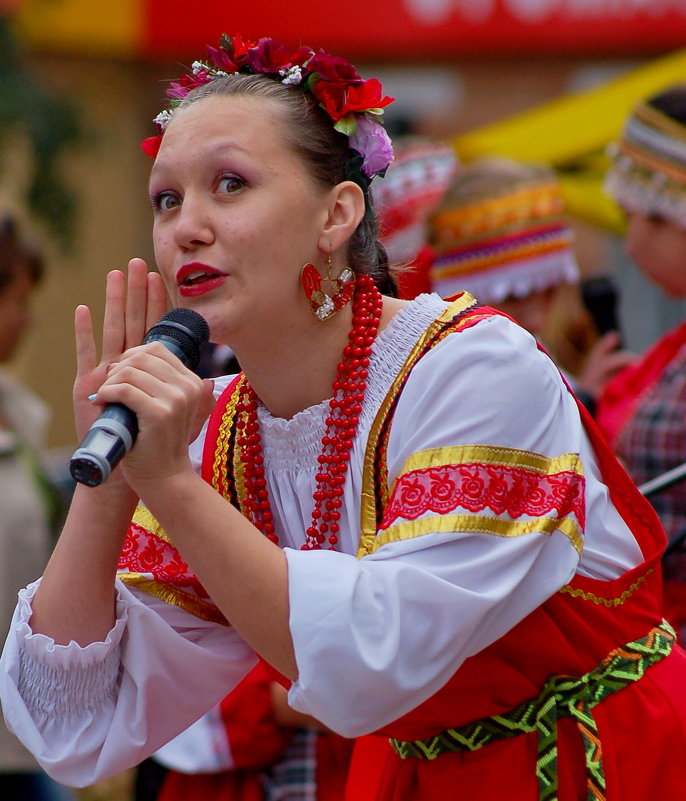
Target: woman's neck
(296, 370)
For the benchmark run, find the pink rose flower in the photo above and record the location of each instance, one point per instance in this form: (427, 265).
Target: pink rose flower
(372, 142)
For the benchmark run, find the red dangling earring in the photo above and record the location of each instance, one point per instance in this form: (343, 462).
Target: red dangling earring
(324, 306)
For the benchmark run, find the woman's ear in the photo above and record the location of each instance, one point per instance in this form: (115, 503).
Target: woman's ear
(345, 211)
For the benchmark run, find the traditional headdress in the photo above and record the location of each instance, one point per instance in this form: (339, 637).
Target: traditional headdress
(355, 105)
(648, 172)
(410, 191)
(501, 232)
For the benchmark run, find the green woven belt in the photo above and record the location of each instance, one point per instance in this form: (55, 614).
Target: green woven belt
(562, 696)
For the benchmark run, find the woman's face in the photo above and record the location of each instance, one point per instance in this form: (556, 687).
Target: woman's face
(531, 312)
(236, 216)
(15, 313)
(659, 248)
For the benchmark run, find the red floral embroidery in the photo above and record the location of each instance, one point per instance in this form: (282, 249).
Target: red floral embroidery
(514, 491)
(145, 553)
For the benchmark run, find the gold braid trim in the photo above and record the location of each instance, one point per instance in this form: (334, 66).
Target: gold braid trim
(476, 524)
(368, 505)
(488, 454)
(199, 607)
(607, 602)
(222, 444)
(144, 518)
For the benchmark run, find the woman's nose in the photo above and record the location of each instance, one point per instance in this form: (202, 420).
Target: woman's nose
(193, 225)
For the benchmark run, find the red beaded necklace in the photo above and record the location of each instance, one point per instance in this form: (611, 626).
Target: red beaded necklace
(341, 427)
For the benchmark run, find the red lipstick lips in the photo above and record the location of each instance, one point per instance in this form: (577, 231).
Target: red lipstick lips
(196, 279)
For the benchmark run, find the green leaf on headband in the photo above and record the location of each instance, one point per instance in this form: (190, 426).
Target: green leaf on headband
(347, 125)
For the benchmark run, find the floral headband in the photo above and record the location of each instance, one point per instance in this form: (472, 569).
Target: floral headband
(354, 105)
(648, 172)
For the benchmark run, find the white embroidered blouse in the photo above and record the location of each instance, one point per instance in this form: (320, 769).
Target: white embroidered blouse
(374, 636)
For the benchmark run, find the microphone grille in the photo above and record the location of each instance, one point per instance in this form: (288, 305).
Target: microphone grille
(193, 321)
(187, 328)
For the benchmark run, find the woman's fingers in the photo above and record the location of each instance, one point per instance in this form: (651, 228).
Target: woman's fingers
(86, 352)
(157, 300)
(165, 396)
(133, 302)
(136, 302)
(114, 323)
(150, 367)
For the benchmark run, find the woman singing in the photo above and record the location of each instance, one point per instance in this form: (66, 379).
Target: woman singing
(398, 506)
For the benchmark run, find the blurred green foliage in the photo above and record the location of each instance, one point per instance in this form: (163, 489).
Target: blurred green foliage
(50, 123)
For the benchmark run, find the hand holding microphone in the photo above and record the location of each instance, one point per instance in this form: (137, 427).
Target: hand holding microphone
(184, 333)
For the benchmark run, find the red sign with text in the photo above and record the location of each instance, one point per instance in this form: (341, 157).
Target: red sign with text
(419, 29)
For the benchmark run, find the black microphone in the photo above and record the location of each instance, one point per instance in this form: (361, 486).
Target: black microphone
(185, 333)
(600, 297)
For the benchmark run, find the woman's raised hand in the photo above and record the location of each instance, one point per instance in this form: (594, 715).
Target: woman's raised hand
(133, 302)
(169, 400)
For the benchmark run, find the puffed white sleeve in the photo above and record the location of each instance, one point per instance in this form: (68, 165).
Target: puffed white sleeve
(89, 712)
(462, 553)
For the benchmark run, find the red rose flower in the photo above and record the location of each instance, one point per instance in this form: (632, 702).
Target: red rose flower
(179, 89)
(333, 69)
(269, 56)
(151, 146)
(231, 54)
(340, 99)
(221, 60)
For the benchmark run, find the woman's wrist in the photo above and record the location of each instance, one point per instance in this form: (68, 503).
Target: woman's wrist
(167, 486)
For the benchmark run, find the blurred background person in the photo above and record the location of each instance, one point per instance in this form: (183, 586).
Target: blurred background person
(29, 506)
(251, 747)
(643, 409)
(407, 195)
(501, 234)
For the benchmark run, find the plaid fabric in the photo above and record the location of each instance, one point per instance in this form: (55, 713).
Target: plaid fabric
(294, 776)
(653, 442)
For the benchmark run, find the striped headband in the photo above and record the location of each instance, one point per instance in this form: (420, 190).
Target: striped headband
(511, 244)
(648, 171)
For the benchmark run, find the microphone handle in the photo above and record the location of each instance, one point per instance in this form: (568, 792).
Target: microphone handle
(108, 440)
(184, 333)
(114, 433)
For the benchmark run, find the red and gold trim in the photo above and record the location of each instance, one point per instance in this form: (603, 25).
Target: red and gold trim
(463, 312)
(205, 610)
(218, 441)
(506, 482)
(150, 562)
(375, 468)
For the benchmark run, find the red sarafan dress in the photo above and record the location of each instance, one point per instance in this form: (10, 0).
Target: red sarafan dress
(642, 413)
(292, 763)
(622, 740)
(641, 728)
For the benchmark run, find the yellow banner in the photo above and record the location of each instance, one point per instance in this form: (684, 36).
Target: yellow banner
(110, 29)
(571, 134)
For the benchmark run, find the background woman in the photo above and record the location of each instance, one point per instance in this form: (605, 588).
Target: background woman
(29, 505)
(643, 410)
(501, 233)
(424, 537)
